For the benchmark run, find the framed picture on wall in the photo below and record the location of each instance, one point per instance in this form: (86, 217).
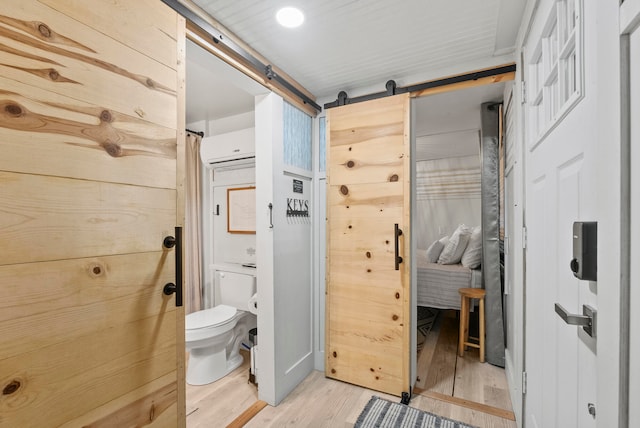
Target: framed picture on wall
(241, 210)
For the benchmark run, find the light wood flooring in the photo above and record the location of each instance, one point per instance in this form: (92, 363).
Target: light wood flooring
(219, 403)
(322, 402)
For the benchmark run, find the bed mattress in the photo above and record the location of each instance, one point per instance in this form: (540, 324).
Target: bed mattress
(438, 284)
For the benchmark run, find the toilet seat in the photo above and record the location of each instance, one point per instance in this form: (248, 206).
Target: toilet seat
(209, 318)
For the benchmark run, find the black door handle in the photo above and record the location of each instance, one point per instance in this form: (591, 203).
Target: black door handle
(397, 232)
(170, 288)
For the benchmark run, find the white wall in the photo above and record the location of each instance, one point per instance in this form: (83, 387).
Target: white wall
(229, 247)
(225, 124)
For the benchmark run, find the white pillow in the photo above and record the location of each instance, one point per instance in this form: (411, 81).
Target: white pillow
(434, 250)
(472, 256)
(453, 251)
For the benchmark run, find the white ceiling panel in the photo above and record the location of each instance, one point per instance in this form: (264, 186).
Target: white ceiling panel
(344, 45)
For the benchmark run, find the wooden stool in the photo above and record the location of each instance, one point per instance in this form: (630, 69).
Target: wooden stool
(466, 295)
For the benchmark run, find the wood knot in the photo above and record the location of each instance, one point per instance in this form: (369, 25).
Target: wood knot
(13, 109)
(368, 254)
(369, 270)
(344, 190)
(113, 149)
(53, 74)
(397, 295)
(335, 354)
(11, 387)
(386, 242)
(350, 226)
(394, 317)
(372, 370)
(350, 164)
(44, 30)
(393, 178)
(96, 269)
(333, 371)
(349, 148)
(150, 83)
(105, 116)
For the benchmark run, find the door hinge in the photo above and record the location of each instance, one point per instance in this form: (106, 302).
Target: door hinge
(523, 83)
(524, 237)
(524, 383)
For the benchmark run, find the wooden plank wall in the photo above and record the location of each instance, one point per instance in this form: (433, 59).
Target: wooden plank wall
(88, 126)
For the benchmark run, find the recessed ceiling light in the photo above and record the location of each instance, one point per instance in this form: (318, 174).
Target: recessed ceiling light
(290, 17)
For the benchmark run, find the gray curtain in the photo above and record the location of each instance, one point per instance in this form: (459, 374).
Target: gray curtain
(490, 189)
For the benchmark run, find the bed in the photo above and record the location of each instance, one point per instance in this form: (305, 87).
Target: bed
(438, 284)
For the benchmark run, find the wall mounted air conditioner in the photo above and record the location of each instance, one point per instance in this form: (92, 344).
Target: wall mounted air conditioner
(232, 150)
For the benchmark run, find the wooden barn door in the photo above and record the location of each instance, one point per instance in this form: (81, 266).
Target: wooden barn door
(368, 309)
(88, 190)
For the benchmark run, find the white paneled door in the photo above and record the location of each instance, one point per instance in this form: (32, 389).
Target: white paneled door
(561, 177)
(283, 240)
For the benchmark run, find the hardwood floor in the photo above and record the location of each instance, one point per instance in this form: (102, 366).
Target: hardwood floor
(443, 371)
(219, 403)
(322, 402)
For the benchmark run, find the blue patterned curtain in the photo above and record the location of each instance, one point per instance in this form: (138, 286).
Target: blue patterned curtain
(297, 138)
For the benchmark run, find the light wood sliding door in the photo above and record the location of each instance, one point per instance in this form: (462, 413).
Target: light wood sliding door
(88, 191)
(368, 288)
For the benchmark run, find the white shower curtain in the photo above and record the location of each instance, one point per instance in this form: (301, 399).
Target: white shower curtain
(192, 226)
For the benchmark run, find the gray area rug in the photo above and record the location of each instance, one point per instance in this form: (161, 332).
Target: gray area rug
(426, 319)
(381, 413)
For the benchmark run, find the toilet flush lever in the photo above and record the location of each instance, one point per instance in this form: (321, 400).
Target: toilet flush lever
(170, 288)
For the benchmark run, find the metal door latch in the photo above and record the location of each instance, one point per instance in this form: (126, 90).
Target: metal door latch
(588, 319)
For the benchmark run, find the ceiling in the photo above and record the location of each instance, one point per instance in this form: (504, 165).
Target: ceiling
(214, 89)
(448, 124)
(354, 44)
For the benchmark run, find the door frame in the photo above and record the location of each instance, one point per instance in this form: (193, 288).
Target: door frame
(321, 229)
(629, 17)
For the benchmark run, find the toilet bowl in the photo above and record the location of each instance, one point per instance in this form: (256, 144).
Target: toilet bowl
(213, 336)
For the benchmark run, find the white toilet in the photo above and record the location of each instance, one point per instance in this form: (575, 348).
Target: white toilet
(214, 336)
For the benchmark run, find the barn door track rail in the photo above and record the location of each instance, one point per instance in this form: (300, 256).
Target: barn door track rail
(392, 89)
(219, 38)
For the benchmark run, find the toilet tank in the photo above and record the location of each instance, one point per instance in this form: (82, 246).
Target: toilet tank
(236, 289)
